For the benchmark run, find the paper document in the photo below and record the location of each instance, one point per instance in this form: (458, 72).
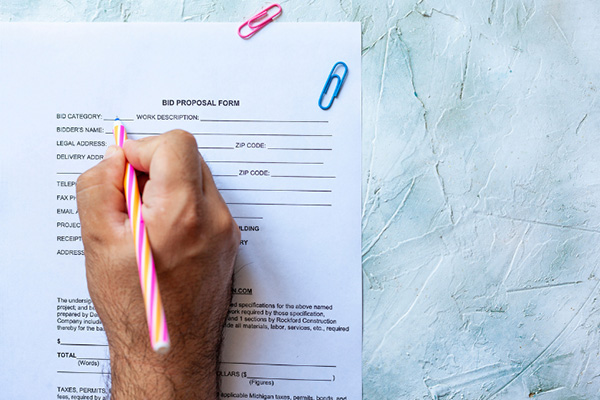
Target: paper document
(289, 172)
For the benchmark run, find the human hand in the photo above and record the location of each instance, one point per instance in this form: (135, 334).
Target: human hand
(194, 241)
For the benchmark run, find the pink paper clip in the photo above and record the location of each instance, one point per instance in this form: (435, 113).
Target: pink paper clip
(258, 22)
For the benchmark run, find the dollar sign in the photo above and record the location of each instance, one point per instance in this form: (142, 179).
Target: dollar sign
(58, 341)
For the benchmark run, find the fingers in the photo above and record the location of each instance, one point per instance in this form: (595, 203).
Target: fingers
(171, 160)
(100, 197)
(180, 193)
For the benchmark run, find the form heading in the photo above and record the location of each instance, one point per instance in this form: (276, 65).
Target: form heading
(200, 103)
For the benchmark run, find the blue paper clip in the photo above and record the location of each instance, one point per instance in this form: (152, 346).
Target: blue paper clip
(338, 86)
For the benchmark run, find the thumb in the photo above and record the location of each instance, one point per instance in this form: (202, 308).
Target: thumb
(112, 150)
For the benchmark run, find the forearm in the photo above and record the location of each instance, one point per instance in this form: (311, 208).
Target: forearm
(157, 377)
(189, 369)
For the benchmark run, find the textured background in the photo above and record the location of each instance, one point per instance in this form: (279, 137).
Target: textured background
(480, 223)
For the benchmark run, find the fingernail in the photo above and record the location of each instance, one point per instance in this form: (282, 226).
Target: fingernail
(110, 151)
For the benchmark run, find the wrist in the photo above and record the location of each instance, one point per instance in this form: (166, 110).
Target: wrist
(147, 375)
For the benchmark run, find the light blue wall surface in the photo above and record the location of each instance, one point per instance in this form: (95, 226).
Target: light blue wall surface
(481, 217)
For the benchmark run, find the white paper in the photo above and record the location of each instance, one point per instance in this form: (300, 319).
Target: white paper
(289, 171)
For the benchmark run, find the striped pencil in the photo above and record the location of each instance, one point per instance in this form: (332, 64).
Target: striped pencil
(157, 324)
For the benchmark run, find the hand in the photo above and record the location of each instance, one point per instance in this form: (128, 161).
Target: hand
(194, 241)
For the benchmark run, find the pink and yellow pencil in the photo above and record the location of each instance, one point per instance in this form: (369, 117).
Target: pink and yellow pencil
(155, 314)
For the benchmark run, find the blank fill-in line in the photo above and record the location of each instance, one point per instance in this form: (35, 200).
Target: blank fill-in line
(266, 120)
(296, 148)
(89, 358)
(249, 134)
(290, 379)
(265, 162)
(280, 204)
(83, 372)
(223, 175)
(247, 217)
(69, 173)
(84, 344)
(303, 176)
(280, 190)
(214, 148)
(280, 365)
(141, 133)
(230, 134)
(122, 119)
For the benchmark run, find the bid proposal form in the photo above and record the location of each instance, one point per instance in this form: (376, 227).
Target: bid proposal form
(288, 170)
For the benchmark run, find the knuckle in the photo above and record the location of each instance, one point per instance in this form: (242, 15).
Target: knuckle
(190, 220)
(183, 146)
(226, 228)
(184, 137)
